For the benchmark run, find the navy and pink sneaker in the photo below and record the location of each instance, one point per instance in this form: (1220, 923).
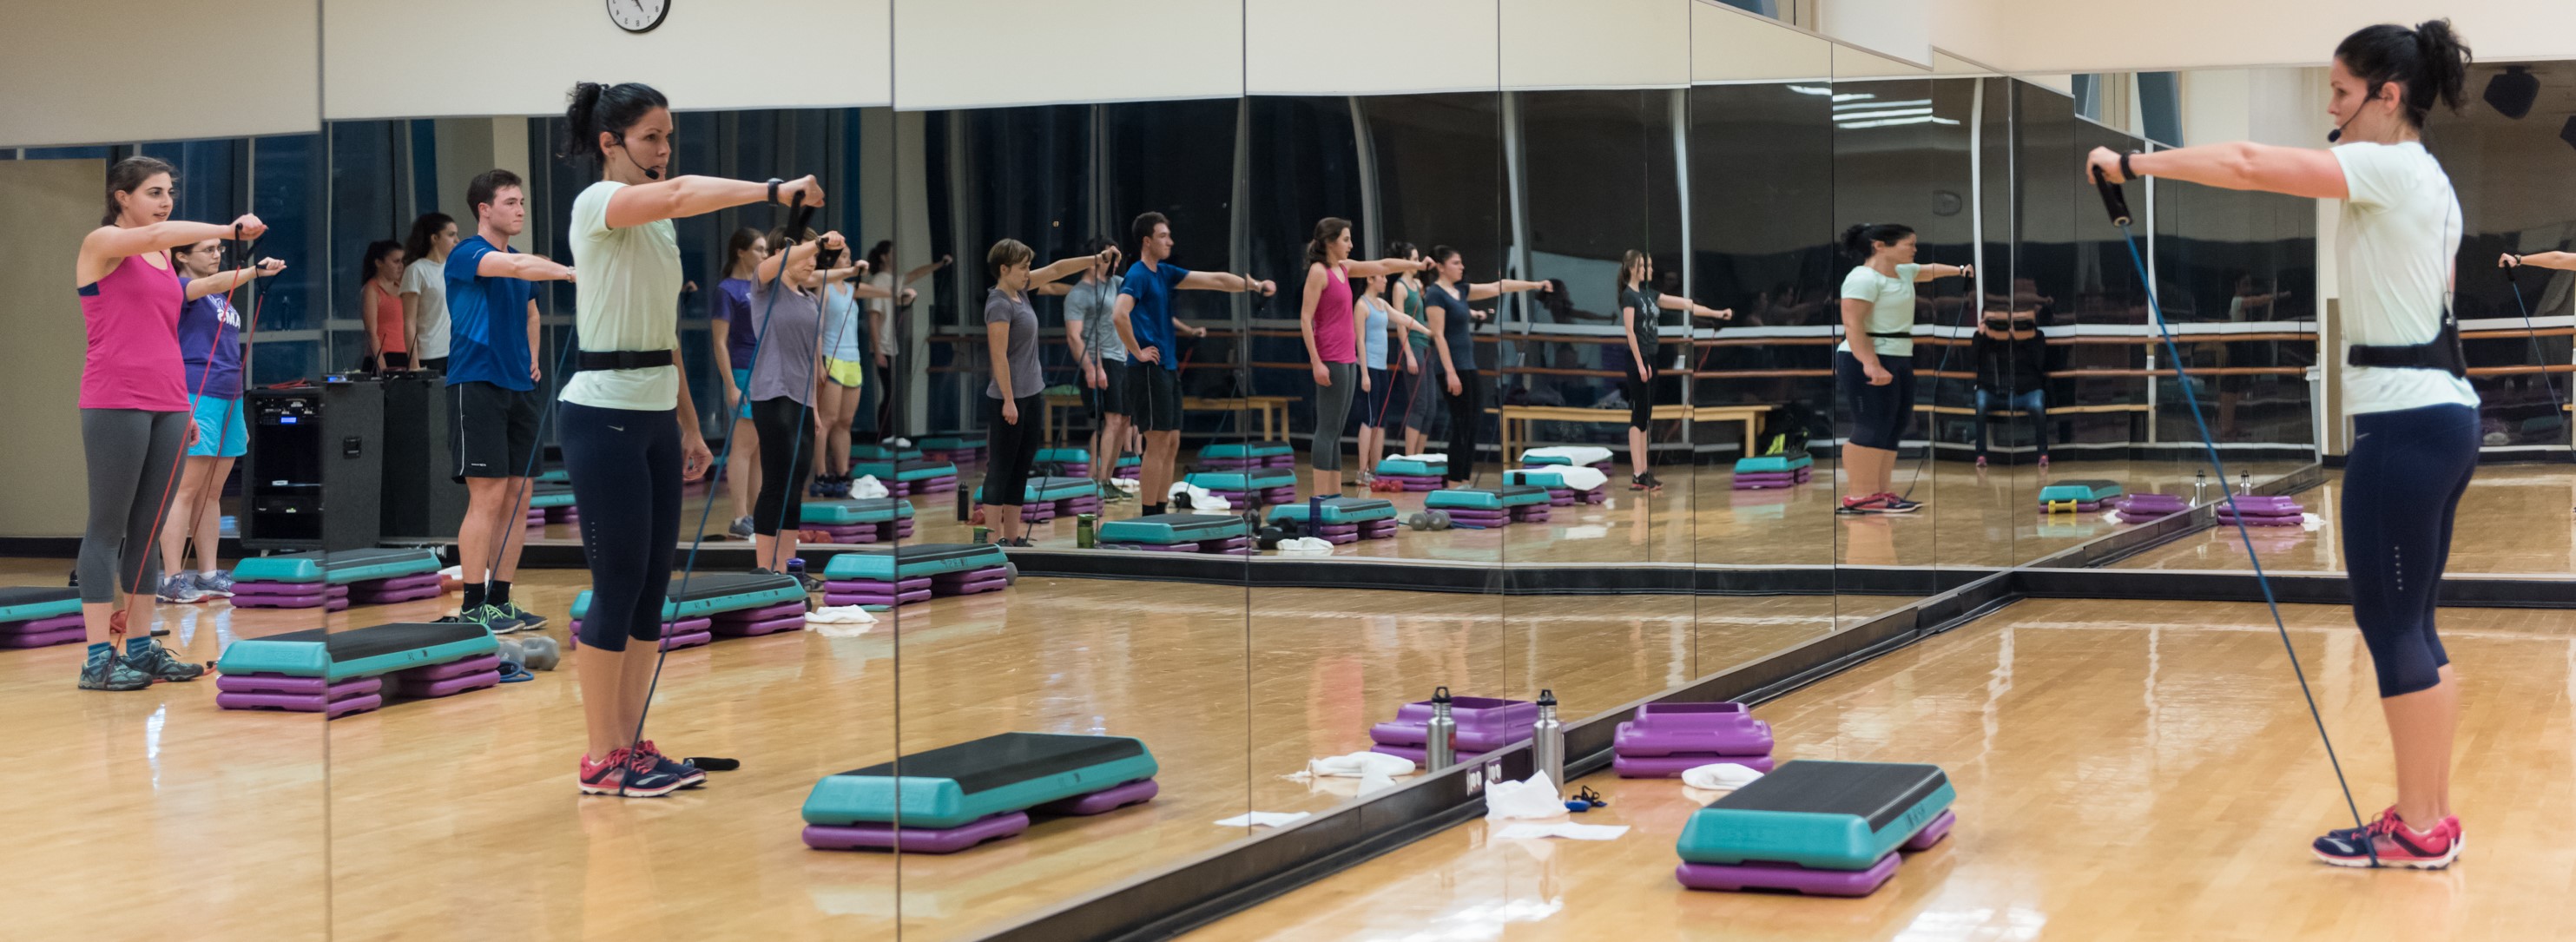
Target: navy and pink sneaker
(626, 775)
(690, 776)
(2389, 842)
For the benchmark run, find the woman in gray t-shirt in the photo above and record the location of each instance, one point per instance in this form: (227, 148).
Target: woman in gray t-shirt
(1018, 389)
(787, 314)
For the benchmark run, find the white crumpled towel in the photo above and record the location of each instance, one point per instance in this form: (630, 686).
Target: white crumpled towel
(1579, 454)
(1569, 830)
(1305, 546)
(1719, 776)
(1439, 456)
(1129, 485)
(1201, 499)
(1361, 764)
(867, 486)
(839, 621)
(1576, 477)
(1534, 797)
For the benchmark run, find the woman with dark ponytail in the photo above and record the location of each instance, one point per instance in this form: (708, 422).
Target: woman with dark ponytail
(629, 431)
(1331, 322)
(2406, 388)
(1874, 365)
(1641, 310)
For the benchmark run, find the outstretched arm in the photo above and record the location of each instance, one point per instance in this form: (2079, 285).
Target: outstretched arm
(2296, 171)
(1223, 281)
(696, 196)
(525, 266)
(1931, 270)
(104, 246)
(1675, 302)
(1491, 289)
(2565, 261)
(222, 282)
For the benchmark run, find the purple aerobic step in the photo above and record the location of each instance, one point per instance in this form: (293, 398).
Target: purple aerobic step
(42, 639)
(1484, 723)
(1530, 513)
(675, 635)
(2152, 501)
(1743, 485)
(303, 686)
(2251, 520)
(1279, 495)
(1103, 801)
(1931, 834)
(691, 640)
(1130, 472)
(914, 840)
(876, 598)
(969, 575)
(46, 625)
(299, 703)
(412, 594)
(763, 613)
(877, 585)
(445, 687)
(334, 603)
(1330, 529)
(1279, 461)
(1430, 482)
(1791, 879)
(1338, 539)
(2263, 503)
(1074, 469)
(971, 586)
(1560, 497)
(766, 626)
(398, 583)
(1662, 729)
(465, 668)
(2129, 516)
(1228, 464)
(1231, 544)
(1415, 753)
(1672, 766)
(287, 589)
(1153, 547)
(1372, 531)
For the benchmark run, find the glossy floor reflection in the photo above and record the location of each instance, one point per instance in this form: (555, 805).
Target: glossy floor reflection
(2125, 770)
(2514, 520)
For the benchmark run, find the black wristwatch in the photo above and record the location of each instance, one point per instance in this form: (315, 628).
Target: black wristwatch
(774, 183)
(2125, 172)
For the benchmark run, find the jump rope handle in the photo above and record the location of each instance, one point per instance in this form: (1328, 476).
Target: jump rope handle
(2114, 201)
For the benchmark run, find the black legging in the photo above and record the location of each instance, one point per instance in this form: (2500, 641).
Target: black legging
(786, 429)
(1012, 449)
(625, 468)
(1466, 418)
(2401, 490)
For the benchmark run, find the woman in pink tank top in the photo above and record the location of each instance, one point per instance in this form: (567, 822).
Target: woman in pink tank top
(388, 346)
(1331, 325)
(134, 416)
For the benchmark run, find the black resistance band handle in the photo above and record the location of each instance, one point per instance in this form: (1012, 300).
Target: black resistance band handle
(2114, 201)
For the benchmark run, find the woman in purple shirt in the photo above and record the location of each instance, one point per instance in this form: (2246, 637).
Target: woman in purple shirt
(210, 346)
(733, 336)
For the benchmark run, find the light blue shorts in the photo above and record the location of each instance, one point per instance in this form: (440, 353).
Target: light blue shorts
(742, 381)
(220, 431)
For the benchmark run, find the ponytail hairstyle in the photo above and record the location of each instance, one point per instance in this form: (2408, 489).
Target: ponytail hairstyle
(741, 241)
(376, 252)
(881, 255)
(129, 175)
(1326, 230)
(1627, 268)
(424, 230)
(1440, 255)
(2428, 63)
(1862, 241)
(597, 108)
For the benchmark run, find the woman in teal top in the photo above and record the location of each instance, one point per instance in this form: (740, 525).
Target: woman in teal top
(1876, 374)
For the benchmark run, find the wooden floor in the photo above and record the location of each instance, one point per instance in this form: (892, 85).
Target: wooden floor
(2125, 771)
(1971, 518)
(153, 814)
(2514, 520)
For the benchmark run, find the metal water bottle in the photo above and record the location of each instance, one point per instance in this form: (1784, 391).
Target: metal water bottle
(1547, 742)
(2199, 485)
(1440, 747)
(965, 503)
(2245, 483)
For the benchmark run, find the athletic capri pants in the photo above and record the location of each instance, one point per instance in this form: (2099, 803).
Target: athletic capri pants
(1383, 397)
(1332, 414)
(1013, 449)
(131, 453)
(625, 468)
(1641, 399)
(2400, 490)
(785, 427)
(1428, 386)
(1879, 413)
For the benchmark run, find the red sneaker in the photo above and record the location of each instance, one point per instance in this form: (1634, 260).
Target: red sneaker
(2389, 842)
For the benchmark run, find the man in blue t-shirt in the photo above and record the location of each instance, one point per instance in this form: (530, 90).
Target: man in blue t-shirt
(1151, 333)
(492, 402)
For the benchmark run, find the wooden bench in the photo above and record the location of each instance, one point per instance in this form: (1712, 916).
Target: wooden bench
(1516, 420)
(1273, 409)
(2053, 410)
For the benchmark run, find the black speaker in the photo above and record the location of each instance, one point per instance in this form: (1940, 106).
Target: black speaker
(422, 501)
(315, 472)
(2513, 92)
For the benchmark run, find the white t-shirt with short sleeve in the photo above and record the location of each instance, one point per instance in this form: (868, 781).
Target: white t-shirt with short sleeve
(626, 298)
(1891, 307)
(2400, 232)
(428, 278)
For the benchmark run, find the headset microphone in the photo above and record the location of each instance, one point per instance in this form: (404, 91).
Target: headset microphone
(2337, 134)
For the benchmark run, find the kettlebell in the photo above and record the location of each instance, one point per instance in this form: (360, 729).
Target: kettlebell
(511, 651)
(1011, 574)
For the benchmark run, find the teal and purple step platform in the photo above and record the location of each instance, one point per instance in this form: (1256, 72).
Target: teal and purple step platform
(955, 797)
(1129, 467)
(1046, 498)
(914, 572)
(1591, 456)
(1238, 456)
(317, 671)
(1765, 472)
(2150, 505)
(1484, 508)
(2257, 510)
(708, 594)
(1073, 462)
(955, 449)
(1824, 828)
(867, 452)
(551, 503)
(336, 579)
(1249, 487)
(1344, 519)
(1179, 533)
(906, 477)
(860, 519)
(1667, 739)
(2083, 496)
(39, 616)
(1415, 474)
(1559, 493)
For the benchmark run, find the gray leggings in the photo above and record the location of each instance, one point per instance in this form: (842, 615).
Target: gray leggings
(130, 453)
(1333, 413)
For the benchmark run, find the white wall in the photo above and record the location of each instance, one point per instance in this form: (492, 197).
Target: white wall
(93, 73)
(1898, 29)
(2066, 36)
(1731, 45)
(1596, 44)
(383, 59)
(954, 54)
(1341, 47)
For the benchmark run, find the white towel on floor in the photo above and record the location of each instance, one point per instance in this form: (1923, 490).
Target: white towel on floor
(1576, 477)
(1579, 454)
(1201, 499)
(1568, 830)
(1305, 546)
(1129, 485)
(1265, 819)
(453, 572)
(1439, 456)
(1361, 764)
(839, 621)
(867, 486)
(1720, 776)
(1534, 797)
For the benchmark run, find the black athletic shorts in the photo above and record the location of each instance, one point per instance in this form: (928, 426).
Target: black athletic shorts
(1154, 397)
(1111, 398)
(491, 431)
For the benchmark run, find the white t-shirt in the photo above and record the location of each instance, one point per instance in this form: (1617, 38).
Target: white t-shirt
(627, 298)
(885, 308)
(429, 279)
(2400, 232)
(1891, 307)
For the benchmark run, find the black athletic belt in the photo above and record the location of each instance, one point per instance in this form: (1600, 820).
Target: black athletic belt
(623, 359)
(1893, 334)
(2442, 354)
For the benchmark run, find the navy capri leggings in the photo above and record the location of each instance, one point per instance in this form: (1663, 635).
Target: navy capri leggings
(2400, 490)
(1879, 413)
(625, 468)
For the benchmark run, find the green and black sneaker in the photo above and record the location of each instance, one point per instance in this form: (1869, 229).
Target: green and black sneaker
(150, 659)
(105, 671)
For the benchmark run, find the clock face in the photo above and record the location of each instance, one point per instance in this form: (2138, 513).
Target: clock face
(638, 16)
